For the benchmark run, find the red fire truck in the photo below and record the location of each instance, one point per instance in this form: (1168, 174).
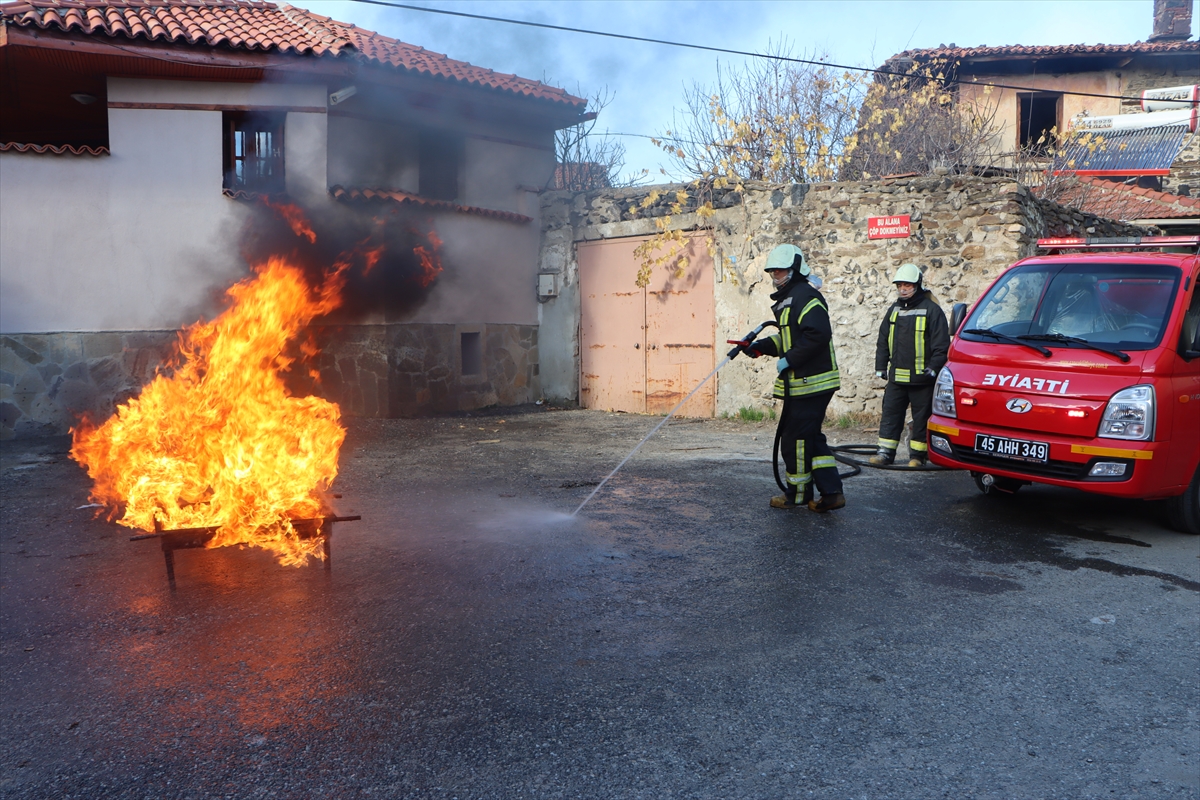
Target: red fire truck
(1081, 367)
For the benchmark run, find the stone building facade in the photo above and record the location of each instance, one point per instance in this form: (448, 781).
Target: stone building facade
(964, 232)
(48, 380)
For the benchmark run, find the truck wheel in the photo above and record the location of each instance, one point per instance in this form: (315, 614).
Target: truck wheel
(1183, 512)
(996, 484)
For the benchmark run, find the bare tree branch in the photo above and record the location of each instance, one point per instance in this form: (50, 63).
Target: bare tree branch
(585, 160)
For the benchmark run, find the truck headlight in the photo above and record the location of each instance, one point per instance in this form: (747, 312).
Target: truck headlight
(943, 394)
(1129, 415)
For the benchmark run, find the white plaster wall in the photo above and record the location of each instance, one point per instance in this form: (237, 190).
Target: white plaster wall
(494, 172)
(306, 148)
(489, 272)
(138, 240)
(491, 266)
(558, 317)
(135, 90)
(142, 239)
(366, 154)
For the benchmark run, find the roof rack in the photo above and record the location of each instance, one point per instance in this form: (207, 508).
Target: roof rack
(1117, 242)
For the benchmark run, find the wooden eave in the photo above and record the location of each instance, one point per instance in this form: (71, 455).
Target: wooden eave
(1182, 63)
(137, 59)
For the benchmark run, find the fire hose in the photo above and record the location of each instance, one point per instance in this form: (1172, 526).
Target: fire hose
(843, 453)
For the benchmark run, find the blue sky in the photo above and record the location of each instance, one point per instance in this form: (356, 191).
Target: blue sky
(648, 81)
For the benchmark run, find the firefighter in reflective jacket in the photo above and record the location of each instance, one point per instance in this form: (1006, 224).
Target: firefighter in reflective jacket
(808, 377)
(913, 342)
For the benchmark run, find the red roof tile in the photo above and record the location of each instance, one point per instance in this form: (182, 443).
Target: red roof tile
(1048, 51)
(264, 26)
(58, 150)
(1122, 202)
(406, 199)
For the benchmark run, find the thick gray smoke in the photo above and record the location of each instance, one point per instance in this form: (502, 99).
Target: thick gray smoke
(393, 257)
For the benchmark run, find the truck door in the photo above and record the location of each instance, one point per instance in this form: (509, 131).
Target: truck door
(1185, 393)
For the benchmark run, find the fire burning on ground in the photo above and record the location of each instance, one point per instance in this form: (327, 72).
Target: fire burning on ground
(220, 442)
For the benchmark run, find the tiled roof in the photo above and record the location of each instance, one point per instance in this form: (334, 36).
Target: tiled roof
(1051, 51)
(406, 199)
(1123, 202)
(262, 26)
(58, 150)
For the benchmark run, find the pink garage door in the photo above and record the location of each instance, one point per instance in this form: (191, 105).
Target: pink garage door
(643, 350)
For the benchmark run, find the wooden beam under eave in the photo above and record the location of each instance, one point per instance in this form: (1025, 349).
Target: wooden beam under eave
(219, 60)
(215, 63)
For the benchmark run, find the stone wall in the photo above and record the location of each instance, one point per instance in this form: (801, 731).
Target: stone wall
(965, 230)
(48, 380)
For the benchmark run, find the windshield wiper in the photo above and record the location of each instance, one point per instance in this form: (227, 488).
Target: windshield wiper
(1004, 337)
(1058, 337)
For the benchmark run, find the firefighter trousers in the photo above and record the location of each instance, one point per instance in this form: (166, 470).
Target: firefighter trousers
(897, 397)
(807, 459)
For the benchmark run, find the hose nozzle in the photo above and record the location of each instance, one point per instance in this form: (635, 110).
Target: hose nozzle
(748, 339)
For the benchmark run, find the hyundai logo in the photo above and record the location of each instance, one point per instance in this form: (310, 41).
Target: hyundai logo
(1018, 405)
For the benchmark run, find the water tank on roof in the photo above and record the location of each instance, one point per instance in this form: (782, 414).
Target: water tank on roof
(1137, 122)
(1171, 98)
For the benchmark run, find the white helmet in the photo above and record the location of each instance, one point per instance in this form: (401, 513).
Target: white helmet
(908, 273)
(788, 256)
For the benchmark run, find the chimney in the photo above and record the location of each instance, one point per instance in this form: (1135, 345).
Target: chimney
(1172, 20)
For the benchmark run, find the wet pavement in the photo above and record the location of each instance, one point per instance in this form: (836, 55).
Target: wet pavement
(678, 639)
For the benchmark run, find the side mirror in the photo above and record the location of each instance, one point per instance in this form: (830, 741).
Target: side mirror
(957, 315)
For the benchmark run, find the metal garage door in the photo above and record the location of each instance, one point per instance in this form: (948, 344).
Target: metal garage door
(643, 350)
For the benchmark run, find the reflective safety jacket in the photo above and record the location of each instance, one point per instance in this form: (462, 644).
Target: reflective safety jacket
(805, 339)
(914, 340)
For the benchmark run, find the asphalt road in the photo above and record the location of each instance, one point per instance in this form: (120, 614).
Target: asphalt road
(678, 639)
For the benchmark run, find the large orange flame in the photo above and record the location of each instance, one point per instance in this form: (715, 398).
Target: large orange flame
(221, 442)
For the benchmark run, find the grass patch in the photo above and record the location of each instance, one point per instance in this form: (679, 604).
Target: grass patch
(747, 414)
(853, 419)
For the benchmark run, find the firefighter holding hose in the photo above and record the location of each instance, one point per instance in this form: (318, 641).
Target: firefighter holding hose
(914, 340)
(808, 377)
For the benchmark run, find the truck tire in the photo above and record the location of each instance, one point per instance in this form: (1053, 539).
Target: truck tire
(1183, 511)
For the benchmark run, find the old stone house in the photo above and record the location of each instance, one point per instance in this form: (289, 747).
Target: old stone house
(1033, 94)
(135, 136)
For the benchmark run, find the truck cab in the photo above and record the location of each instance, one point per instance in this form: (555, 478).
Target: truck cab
(1080, 367)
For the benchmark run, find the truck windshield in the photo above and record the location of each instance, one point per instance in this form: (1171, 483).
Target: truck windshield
(1112, 306)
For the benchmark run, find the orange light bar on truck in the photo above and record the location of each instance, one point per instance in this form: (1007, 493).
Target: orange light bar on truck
(1116, 242)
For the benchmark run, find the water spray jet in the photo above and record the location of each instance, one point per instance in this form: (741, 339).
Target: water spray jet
(741, 345)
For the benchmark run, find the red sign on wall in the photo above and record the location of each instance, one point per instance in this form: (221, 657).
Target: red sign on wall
(888, 227)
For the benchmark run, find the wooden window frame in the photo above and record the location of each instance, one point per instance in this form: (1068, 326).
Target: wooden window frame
(246, 167)
(1027, 138)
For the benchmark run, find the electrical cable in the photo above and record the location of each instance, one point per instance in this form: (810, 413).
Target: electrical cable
(725, 50)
